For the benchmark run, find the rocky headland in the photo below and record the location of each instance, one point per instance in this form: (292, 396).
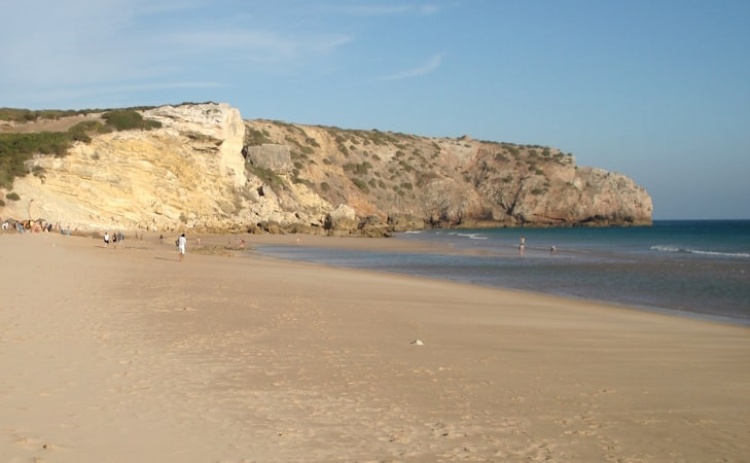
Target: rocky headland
(203, 167)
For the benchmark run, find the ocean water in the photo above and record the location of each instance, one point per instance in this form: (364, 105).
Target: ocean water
(691, 268)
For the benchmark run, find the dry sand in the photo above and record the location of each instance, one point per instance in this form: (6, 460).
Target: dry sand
(127, 355)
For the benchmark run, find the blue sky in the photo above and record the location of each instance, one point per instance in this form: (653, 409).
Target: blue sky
(656, 89)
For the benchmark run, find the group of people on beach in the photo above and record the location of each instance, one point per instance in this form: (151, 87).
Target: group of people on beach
(10, 225)
(115, 238)
(32, 226)
(180, 242)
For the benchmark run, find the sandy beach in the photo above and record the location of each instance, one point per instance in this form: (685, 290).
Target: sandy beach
(127, 355)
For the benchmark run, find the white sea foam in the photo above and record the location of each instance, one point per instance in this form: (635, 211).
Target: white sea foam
(472, 236)
(739, 255)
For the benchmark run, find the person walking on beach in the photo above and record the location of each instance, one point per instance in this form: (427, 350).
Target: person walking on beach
(181, 242)
(106, 239)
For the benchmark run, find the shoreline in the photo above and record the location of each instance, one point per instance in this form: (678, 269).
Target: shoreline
(229, 244)
(129, 355)
(430, 247)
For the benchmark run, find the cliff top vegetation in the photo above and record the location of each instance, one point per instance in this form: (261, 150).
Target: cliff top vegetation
(19, 144)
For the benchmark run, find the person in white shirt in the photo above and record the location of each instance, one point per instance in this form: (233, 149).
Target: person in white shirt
(181, 242)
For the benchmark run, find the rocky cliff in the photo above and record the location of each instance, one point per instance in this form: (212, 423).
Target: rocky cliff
(206, 168)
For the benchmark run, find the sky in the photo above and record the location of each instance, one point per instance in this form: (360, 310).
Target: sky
(658, 90)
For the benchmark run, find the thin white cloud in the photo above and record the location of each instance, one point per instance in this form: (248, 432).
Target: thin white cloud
(163, 86)
(386, 10)
(431, 66)
(427, 9)
(85, 47)
(75, 42)
(257, 45)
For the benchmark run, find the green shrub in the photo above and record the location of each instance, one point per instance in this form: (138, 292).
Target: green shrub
(128, 119)
(267, 175)
(359, 169)
(406, 166)
(80, 132)
(361, 185)
(17, 148)
(79, 135)
(13, 196)
(25, 115)
(501, 157)
(256, 137)
(380, 138)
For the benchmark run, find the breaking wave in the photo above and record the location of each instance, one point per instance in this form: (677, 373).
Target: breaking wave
(736, 255)
(472, 236)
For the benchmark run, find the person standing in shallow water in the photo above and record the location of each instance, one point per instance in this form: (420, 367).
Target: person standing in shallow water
(181, 243)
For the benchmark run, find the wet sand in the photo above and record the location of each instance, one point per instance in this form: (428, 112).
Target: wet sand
(124, 355)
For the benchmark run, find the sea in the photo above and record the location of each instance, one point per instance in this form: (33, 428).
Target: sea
(690, 268)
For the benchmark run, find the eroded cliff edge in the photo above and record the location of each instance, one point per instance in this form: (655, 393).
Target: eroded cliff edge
(208, 169)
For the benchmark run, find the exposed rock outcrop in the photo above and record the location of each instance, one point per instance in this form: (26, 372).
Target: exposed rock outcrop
(277, 158)
(453, 182)
(207, 169)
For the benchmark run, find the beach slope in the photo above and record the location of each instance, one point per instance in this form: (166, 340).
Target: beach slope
(124, 355)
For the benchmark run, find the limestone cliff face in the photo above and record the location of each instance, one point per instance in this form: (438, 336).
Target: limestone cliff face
(214, 129)
(189, 172)
(207, 169)
(448, 182)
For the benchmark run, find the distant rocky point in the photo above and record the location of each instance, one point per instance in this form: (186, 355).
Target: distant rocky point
(202, 167)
